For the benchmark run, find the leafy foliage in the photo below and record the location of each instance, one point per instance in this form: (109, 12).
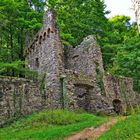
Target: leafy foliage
(17, 69)
(121, 49)
(18, 23)
(79, 18)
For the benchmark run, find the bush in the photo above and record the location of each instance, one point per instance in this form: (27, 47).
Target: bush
(59, 117)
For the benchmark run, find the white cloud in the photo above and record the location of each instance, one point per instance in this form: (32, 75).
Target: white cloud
(120, 7)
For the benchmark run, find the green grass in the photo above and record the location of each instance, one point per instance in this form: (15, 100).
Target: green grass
(49, 125)
(128, 129)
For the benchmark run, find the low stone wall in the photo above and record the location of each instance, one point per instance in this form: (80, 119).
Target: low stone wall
(18, 97)
(120, 88)
(84, 92)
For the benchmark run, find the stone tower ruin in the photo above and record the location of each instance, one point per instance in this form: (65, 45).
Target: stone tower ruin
(45, 55)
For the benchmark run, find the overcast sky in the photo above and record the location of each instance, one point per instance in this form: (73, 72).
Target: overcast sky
(120, 7)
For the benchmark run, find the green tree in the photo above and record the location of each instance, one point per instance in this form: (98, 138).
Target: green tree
(78, 18)
(18, 22)
(121, 49)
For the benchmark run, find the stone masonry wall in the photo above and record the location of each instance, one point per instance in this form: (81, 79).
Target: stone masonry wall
(85, 58)
(18, 97)
(120, 88)
(97, 91)
(82, 92)
(45, 55)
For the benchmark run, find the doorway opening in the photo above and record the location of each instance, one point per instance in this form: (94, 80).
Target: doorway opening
(82, 93)
(117, 104)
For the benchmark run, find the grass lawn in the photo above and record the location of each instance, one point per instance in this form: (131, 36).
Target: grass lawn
(49, 125)
(128, 129)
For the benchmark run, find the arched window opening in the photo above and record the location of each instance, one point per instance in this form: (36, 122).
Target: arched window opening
(37, 62)
(40, 39)
(44, 36)
(48, 32)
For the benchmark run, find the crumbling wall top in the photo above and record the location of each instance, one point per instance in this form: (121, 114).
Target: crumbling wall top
(86, 57)
(48, 31)
(49, 18)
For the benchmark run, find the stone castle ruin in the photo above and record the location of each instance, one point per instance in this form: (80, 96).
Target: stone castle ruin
(74, 78)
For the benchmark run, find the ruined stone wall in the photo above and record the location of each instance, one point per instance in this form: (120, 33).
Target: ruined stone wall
(45, 53)
(86, 78)
(19, 97)
(82, 92)
(75, 84)
(85, 58)
(120, 88)
(94, 90)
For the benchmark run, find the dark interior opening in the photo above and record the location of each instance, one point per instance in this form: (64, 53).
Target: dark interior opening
(75, 56)
(82, 93)
(62, 93)
(44, 36)
(37, 62)
(117, 106)
(48, 32)
(40, 39)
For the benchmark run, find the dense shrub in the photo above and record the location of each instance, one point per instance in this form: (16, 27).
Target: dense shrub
(17, 69)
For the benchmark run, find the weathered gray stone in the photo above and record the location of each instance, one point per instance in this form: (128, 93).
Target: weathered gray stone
(18, 97)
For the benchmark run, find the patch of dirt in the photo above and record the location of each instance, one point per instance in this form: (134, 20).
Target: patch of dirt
(92, 133)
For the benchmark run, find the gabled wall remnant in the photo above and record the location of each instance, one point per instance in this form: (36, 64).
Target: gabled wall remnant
(86, 57)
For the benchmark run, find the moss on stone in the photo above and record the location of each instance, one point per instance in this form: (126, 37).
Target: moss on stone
(100, 81)
(42, 85)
